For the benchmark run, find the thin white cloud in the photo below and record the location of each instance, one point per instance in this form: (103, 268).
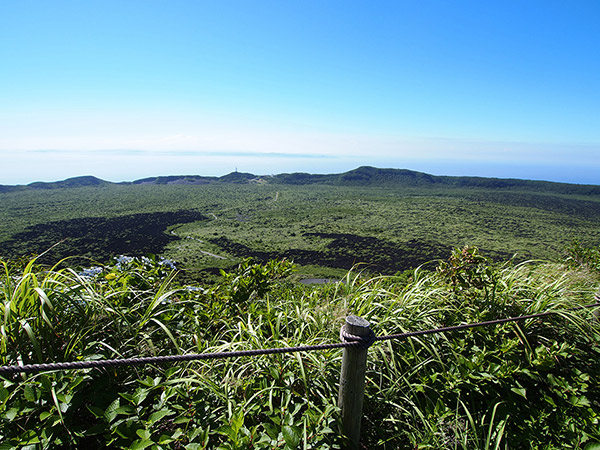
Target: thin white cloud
(312, 145)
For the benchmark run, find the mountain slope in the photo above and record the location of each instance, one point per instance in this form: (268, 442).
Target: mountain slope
(371, 176)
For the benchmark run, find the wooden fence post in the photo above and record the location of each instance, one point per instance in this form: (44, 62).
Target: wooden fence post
(352, 383)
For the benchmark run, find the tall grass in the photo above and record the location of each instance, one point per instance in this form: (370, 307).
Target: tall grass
(531, 384)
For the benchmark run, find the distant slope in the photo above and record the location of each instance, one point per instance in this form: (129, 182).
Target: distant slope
(177, 179)
(83, 181)
(238, 178)
(70, 183)
(362, 176)
(371, 176)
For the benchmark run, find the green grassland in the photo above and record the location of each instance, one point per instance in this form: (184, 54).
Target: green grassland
(326, 226)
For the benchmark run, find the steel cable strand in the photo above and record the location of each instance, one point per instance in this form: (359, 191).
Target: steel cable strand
(481, 324)
(98, 364)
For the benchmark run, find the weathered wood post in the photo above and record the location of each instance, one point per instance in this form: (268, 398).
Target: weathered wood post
(352, 379)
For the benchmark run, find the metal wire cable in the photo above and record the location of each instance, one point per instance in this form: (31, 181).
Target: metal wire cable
(348, 341)
(32, 368)
(461, 327)
(481, 324)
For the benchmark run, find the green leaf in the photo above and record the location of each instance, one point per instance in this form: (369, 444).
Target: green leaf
(228, 431)
(272, 430)
(139, 396)
(111, 411)
(46, 382)
(143, 433)
(97, 412)
(128, 397)
(181, 419)
(30, 437)
(177, 433)
(237, 421)
(165, 439)
(550, 400)
(156, 416)
(291, 435)
(65, 398)
(29, 393)
(140, 444)
(579, 401)
(125, 410)
(11, 413)
(520, 391)
(3, 394)
(146, 382)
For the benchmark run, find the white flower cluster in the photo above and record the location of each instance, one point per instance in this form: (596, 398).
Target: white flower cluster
(122, 261)
(167, 262)
(194, 289)
(91, 272)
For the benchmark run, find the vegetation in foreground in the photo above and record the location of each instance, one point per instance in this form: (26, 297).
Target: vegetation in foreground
(533, 384)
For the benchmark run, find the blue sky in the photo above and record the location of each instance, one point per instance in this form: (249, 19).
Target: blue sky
(127, 89)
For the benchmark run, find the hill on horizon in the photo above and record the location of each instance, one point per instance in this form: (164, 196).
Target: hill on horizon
(361, 176)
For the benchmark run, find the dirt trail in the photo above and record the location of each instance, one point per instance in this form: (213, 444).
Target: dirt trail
(200, 241)
(211, 254)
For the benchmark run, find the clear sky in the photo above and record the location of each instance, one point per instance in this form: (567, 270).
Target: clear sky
(127, 89)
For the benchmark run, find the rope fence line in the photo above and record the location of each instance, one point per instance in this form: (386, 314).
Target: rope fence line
(348, 341)
(478, 324)
(32, 368)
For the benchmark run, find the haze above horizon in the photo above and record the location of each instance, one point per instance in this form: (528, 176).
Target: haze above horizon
(127, 90)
